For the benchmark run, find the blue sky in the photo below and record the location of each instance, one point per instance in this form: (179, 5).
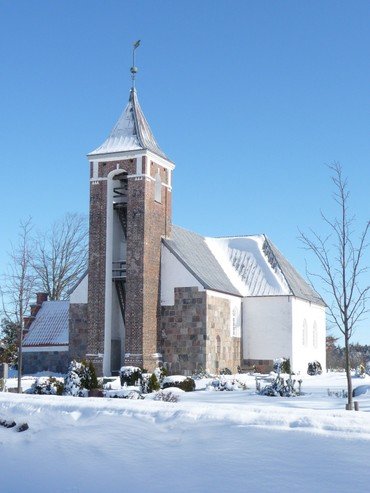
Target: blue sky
(251, 99)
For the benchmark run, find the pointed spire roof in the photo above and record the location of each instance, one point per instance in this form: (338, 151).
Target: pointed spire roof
(130, 133)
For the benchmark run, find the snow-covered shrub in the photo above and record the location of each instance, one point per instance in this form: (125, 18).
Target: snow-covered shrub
(151, 382)
(201, 373)
(166, 396)
(314, 368)
(184, 383)
(130, 375)
(160, 372)
(281, 387)
(341, 394)
(225, 371)
(80, 378)
(133, 395)
(360, 371)
(49, 386)
(222, 384)
(282, 365)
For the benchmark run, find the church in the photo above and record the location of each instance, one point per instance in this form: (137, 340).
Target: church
(156, 294)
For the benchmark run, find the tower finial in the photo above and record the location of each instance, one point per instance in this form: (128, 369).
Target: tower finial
(134, 69)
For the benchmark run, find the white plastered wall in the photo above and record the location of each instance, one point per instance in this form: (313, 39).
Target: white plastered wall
(309, 347)
(174, 275)
(79, 294)
(267, 323)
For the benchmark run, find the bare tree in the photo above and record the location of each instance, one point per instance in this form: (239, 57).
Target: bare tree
(342, 269)
(18, 284)
(60, 256)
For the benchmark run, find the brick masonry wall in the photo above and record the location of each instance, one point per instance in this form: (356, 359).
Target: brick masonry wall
(53, 361)
(147, 222)
(223, 350)
(183, 332)
(97, 253)
(78, 331)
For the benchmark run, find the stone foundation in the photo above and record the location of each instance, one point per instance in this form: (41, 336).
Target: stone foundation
(196, 333)
(223, 350)
(53, 361)
(183, 332)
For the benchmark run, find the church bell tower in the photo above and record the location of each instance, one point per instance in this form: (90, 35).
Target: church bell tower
(130, 212)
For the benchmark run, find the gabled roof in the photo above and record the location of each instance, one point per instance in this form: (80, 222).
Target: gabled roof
(193, 252)
(298, 286)
(50, 327)
(130, 133)
(239, 265)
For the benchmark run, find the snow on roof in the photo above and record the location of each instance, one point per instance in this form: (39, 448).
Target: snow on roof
(193, 252)
(239, 265)
(246, 265)
(131, 132)
(50, 327)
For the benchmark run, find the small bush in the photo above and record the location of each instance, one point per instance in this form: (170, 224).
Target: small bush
(50, 386)
(187, 384)
(129, 375)
(160, 372)
(166, 396)
(80, 378)
(153, 384)
(314, 368)
(282, 365)
(89, 379)
(225, 371)
(360, 371)
(201, 373)
(282, 388)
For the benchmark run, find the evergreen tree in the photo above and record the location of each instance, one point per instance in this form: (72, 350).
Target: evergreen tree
(8, 342)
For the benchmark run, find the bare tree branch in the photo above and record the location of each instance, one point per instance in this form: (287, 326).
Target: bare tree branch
(341, 272)
(60, 257)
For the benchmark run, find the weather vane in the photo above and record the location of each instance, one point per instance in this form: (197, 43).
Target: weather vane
(134, 69)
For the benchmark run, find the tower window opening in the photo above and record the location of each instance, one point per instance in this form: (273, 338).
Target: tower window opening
(158, 188)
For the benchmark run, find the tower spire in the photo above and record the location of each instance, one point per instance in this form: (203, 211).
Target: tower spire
(134, 69)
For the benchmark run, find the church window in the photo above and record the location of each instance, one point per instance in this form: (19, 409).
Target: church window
(158, 188)
(314, 335)
(218, 345)
(304, 333)
(235, 322)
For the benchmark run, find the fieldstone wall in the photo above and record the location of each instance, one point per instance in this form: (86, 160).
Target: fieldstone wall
(78, 331)
(223, 350)
(183, 332)
(53, 361)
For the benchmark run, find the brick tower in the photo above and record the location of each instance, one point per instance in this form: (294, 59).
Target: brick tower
(130, 211)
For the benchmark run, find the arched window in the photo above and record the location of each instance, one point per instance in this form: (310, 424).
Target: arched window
(314, 335)
(158, 187)
(304, 333)
(235, 322)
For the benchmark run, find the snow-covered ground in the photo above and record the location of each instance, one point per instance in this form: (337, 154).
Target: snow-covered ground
(207, 442)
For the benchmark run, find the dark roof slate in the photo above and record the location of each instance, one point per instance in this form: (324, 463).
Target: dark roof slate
(50, 327)
(193, 252)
